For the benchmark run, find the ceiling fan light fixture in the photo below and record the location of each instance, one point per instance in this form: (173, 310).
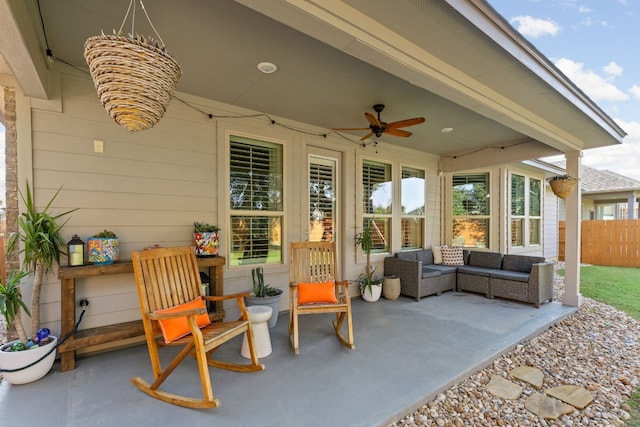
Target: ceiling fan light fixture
(267, 67)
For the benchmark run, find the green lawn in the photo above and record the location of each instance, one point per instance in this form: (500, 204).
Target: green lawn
(615, 286)
(618, 287)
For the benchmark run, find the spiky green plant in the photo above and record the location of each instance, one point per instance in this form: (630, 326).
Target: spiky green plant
(364, 240)
(42, 245)
(12, 304)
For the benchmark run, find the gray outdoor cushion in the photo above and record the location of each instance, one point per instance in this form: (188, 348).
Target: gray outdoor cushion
(427, 272)
(486, 259)
(520, 262)
(476, 271)
(411, 255)
(444, 269)
(426, 256)
(515, 276)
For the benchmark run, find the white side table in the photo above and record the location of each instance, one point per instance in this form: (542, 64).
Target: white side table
(258, 315)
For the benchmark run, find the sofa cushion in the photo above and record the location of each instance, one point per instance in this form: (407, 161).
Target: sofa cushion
(426, 256)
(444, 269)
(520, 263)
(428, 272)
(452, 256)
(516, 276)
(410, 255)
(486, 259)
(476, 271)
(437, 254)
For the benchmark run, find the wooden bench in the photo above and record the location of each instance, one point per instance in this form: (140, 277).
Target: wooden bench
(104, 334)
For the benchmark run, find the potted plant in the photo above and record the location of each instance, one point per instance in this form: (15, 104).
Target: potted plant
(102, 248)
(563, 185)
(42, 244)
(23, 352)
(264, 295)
(370, 285)
(205, 238)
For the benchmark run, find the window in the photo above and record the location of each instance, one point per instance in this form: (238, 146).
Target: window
(526, 199)
(471, 214)
(322, 199)
(535, 212)
(377, 195)
(517, 210)
(255, 198)
(413, 208)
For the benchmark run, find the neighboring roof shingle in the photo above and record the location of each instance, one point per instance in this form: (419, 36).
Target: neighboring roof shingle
(599, 181)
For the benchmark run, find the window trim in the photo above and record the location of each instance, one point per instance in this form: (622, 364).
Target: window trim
(389, 217)
(527, 217)
(488, 217)
(403, 216)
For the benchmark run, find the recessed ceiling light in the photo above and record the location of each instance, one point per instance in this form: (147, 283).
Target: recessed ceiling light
(267, 67)
(446, 130)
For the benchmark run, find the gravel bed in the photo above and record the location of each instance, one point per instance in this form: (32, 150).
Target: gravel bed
(597, 348)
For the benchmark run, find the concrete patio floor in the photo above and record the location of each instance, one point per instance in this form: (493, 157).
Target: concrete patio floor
(406, 352)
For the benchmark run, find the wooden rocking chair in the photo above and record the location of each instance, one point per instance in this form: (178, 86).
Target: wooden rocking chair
(174, 313)
(315, 289)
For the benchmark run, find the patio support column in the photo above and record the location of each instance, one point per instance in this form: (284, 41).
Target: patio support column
(631, 206)
(572, 295)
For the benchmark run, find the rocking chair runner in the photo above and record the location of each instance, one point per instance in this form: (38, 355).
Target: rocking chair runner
(174, 313)
(315, 289)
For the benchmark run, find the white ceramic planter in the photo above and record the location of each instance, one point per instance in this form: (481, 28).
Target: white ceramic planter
(372, 293)
(17, 359)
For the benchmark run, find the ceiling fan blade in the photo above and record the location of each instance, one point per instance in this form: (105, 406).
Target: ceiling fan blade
(398, 132)
(372, 119)
(370, 134)
(408, 122)
(351, 129)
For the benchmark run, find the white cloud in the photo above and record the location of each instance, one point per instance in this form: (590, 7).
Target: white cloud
(635, 91)
(535, 27)
(622, 159)
(583, 9)
(613, 69)
(594, 85)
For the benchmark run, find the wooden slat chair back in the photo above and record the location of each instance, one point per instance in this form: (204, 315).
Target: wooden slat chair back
(166, 278)
(315, 263)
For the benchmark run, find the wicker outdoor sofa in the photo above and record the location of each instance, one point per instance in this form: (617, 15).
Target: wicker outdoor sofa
(517, 277)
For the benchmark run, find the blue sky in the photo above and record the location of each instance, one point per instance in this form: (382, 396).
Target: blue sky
(596, 44)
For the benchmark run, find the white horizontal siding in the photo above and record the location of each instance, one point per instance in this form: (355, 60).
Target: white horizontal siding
(149, 187)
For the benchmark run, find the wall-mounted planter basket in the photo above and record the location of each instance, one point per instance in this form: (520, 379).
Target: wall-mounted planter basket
(563, 187)
(134, 80)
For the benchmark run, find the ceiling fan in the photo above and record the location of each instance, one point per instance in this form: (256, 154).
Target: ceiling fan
(377, 127)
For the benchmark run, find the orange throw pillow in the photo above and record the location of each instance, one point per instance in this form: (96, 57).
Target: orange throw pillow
(309, 293)
(172, 329)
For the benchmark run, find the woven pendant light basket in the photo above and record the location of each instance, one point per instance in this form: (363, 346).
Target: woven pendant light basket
(563, 187)
(134, 80)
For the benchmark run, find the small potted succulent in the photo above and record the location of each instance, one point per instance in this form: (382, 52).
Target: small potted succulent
(205, 238)
(102, 248)
(263, 294)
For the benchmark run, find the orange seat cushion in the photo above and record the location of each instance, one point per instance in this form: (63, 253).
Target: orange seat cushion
(322, 292)
(172, 329)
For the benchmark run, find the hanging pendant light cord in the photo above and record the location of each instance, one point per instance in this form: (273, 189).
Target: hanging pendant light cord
(133, 20)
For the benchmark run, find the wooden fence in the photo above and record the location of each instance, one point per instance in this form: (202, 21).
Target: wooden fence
(610, 242)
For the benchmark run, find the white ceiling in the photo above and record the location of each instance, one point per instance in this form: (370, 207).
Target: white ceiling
(336, 59)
